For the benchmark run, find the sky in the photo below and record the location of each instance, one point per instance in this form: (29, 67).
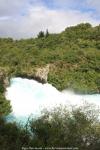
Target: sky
(25, 18)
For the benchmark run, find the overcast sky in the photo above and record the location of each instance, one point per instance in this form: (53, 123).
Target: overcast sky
(25, 18)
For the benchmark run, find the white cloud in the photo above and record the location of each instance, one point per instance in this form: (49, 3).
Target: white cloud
(16, 7)
(10, 7)
(38, 17)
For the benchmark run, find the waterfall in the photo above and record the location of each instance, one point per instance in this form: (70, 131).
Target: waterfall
(30, 97)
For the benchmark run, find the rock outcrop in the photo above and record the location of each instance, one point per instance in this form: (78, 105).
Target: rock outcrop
(42, 73)
(39, 74)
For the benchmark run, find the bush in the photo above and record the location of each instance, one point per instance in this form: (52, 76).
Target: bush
(61, 128)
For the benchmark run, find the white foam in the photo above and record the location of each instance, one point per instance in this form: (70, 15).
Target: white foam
(30, 97)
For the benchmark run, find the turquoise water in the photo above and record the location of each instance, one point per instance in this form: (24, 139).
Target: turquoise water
(28, 98)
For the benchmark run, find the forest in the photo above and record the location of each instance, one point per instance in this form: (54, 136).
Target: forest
(74, 55)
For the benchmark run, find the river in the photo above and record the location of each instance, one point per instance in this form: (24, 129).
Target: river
(28, 97)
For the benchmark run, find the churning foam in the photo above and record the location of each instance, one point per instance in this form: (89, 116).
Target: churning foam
(30, 97)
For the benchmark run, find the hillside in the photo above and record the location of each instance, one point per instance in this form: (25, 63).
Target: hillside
(74, 56)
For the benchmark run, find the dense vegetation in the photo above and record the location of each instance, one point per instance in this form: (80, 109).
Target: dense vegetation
(73, 54)
(58, 128)
(5, 107)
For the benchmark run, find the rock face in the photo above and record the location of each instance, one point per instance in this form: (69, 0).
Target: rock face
(42, 73)
(39, 74)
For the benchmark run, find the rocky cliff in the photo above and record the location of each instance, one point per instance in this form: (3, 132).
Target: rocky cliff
(40, 74)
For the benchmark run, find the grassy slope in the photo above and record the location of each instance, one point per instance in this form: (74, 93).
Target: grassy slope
(74, 53)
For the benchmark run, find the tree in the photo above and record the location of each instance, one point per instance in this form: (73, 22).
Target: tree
(13, 136)
(61, 128)
(5, 107)
(79, 128)
(47, 33)
(41, 34)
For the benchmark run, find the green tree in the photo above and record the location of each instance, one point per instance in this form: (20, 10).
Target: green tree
(47, 33)
(61, 128)
(5, 107)
(13, 136)
(41, 34)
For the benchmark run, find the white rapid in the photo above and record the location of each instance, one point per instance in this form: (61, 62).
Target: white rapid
(30, 97)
